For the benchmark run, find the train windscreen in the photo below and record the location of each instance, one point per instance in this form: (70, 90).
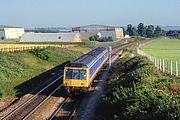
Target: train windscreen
(76, 74)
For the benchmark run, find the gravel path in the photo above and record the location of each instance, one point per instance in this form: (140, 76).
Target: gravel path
(86, 110)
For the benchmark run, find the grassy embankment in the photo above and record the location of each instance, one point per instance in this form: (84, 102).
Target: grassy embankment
(138, 91)
(16, 68)
(165, 48)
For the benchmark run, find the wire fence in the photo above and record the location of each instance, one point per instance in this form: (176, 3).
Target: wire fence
(166, 66)
(17, 48)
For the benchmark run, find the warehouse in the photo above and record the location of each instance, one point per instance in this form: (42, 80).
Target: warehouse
(50, 37)
(104, 31)
(11, 33)
(87, 35)
(95, 28)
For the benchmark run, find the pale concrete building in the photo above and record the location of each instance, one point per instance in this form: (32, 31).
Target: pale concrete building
(11, 33)
(51, 37)
(119, 33)
(86, 35)
(104, 31)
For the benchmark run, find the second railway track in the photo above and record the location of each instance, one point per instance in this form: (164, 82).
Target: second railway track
(25, 108)
(68, 108)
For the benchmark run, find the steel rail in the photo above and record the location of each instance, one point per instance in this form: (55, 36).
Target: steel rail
(29, 114)
(59, 108)
(73, 112)
(29, 100)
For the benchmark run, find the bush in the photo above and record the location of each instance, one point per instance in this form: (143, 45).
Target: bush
(134, 95)
(40, 53)
(106, 39)
(94, 38)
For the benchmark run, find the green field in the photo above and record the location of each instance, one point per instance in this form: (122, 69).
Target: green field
(165, 48)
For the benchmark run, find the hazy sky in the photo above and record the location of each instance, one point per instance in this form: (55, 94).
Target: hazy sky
(53, 13)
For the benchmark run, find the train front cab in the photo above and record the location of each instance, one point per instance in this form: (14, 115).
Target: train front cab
(75, 78)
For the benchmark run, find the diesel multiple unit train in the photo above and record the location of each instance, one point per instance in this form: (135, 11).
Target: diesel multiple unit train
(79, 74)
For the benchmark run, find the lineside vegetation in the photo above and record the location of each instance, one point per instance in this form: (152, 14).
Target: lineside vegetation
(138, 91)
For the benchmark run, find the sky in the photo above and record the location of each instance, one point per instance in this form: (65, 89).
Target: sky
(69, 13)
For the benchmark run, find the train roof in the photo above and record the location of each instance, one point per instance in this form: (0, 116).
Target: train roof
(88, 59)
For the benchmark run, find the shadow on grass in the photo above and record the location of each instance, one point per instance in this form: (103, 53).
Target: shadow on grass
(37, 83)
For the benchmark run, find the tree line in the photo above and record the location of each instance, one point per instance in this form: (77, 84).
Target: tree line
(173, 33)
(149, 31)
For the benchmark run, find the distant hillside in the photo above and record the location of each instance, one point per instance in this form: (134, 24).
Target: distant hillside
(6, 26)
(170, 28)
(166, 28)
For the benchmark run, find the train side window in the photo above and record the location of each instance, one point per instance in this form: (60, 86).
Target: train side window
(82, 74)
(75, 74)
(68, 74)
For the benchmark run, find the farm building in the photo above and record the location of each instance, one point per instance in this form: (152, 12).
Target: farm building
(87, 35)
(105, 31)
(106, 34)
(11, 33)
(93, 28)
(50, 37)
(119, 33)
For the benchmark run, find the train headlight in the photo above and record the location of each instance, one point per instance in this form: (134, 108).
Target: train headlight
(82, 84)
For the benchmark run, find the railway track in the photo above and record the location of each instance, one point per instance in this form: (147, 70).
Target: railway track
(29, 105)
(66, 106)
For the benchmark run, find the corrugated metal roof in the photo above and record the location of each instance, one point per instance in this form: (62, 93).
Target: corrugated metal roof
(94, 28)
(50, 37)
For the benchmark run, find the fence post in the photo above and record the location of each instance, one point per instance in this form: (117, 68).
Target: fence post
(177, 69)
(160, 64)
(171, 68)
(155, 61)
(163, 66)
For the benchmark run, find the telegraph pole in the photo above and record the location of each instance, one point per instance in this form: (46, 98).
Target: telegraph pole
(110, 50)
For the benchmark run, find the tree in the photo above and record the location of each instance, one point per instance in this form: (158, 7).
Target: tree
(134, 32)
(141, 30)
(150, 31)
(158, 32)
(129, 30)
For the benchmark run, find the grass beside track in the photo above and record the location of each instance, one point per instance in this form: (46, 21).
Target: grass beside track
(17, 68)
(138, 91)
(165, 48)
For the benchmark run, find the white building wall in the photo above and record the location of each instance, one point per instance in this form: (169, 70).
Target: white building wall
(119, 33)
(13, 33)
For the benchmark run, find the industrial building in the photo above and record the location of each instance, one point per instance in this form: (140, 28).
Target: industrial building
(102, 30)
(11, 33)
(94, 28)
(87, 35)
(51, 37)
